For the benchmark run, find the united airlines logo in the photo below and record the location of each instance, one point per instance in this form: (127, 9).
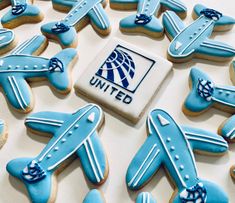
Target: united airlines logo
(122, 73)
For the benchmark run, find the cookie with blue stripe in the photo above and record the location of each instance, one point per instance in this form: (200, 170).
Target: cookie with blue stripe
(73, 135)
(23, 64)
(193, 41)
(22, 11)
(171, 146)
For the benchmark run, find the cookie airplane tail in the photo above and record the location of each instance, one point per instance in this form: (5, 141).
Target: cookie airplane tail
(40, 191)
(59, 67)
(203, 191)
(143, 23)
(222, 21)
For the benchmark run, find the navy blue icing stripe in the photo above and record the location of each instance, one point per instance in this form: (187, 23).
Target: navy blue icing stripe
(18, 9)
(211, 13)
(142, 19)
(60, 28)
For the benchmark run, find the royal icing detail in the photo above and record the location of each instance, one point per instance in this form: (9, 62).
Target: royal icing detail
(64, 31)
(94, 196)
(193, 40)
(72, 134)
(21, 9)
(21, 65)
(7, 37)
(204, 93)
(3, 133)
(172, 146)
(118, 78)
(145, 197)
(145, 21)
(227, 129)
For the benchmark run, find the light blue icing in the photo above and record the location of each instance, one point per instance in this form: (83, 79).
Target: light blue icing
(84, 8)
(194, 39)
(6, 37)
(94, 196)
(146, 14)
(65, 3)
(1, 129)
(204, 93)
(19, 66)
(232, 73)
(171, 146)
(145, 197)
(228, 129)
(20, 8)
(74, 133)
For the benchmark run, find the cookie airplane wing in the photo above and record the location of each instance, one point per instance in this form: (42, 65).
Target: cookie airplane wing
(174, 5)
(172, 24)
(31, 46)
(94, 196)
(202, 140)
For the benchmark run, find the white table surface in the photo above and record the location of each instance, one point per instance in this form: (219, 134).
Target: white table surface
(120, 139)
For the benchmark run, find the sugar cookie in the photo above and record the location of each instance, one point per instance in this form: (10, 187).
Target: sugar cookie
(145, 21)
(119, 76)
(94, 196)
(3, 133)
(20, 66)
(205, 94)
(172, 146)
(193, 41)
(145, 197)
(22, 12)
(227, 129)
(65, 31)
(7, 40)
(73, 134)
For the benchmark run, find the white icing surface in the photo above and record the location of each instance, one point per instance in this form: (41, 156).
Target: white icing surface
(120, 139)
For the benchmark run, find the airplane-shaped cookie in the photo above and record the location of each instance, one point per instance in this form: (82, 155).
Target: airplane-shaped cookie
(193, 41)
(145, 21)
(74, 134)
(7, 40)
(21, 66)
(95, 196)
(65, 31)
(205, 94)
(171, 146)
(22, 12)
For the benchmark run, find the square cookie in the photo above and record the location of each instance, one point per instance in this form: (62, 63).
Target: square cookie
(123, 78)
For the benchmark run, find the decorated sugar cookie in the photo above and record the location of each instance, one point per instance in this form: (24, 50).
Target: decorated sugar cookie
(232, 72)
(65, 31)
(171, 146)
(119, 76)
(193, 40)
(73, 134)
(7, 40)
(205, 94)
(3, 133)
(22, 12)
(94, 196)
(227, 129)
(145, 21)
(21, 65)
(145, 197)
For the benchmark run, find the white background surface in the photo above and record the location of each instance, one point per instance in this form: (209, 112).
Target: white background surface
(120, 139)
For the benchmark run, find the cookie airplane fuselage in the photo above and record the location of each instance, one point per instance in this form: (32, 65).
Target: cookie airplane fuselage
(171, 146)
(194, 40)
(74, 133)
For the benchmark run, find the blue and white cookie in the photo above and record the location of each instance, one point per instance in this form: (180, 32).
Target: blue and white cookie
(171, 146)
(145, 21)
(193, 41)
(22, 12)
(94, 196)
(73, 134)
(3, 133)
(83, 11)
(23, 65)
(205, 94)
(145, 197)
(7, 40)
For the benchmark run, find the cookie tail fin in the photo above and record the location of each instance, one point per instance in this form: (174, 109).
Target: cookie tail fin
(64, 34)
(37, 181)
(59, 68)
(142, 23)
(222, 22)
(227, 129)
(203, 191)
(94, 196)
(200, 96)
(145, 197)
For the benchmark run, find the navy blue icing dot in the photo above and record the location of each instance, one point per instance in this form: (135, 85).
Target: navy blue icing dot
(211, 13)
(142, 19)
(60, 28)
(18, 9)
